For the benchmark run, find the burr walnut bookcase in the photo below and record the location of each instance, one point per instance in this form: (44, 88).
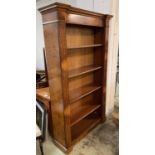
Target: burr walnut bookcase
(76, 43)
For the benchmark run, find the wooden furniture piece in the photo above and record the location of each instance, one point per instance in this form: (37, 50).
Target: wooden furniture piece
(76, 43)
(43, 96)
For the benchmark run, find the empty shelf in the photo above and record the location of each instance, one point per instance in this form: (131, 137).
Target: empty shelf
(79, 93)
(83, 112)
(83, 70)
(84, 126)
(85, 46)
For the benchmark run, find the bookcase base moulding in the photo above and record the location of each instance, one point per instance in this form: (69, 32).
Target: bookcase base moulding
(76, 43)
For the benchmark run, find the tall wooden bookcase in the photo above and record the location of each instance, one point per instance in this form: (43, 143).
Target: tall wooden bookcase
(76, 43)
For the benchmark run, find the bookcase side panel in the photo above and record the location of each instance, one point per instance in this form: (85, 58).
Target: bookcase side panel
(64, 70)
(51, 36)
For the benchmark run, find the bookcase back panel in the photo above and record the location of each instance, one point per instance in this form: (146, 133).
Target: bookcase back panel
(80, 57)
(81, 81)
(98, 56)
(81, 103)
(85, 124)
(92, 99)
(78, 36)
(83, 108)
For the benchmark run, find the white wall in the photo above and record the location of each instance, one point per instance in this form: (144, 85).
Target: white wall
(39, 42)
(103, 6)
(85, 4)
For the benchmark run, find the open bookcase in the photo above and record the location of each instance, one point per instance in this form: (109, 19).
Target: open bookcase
(76, 43)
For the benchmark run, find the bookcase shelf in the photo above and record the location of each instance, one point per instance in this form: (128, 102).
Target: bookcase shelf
(85, 46)
(82, 113)
(84, 125)
(76, 43)
(81, 92)
(83, 70)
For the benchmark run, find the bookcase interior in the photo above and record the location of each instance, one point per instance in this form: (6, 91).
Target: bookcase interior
(85, 67)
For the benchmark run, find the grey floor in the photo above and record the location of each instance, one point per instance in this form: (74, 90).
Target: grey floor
(103, 140)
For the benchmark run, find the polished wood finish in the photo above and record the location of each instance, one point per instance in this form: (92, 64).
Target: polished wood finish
(85, 46)
(80, 114)
(83, 70)
(85, 125)
(81, 92)
(76, 53)
(43, 96)
(51, 32)
(84, 20)
(80, 58)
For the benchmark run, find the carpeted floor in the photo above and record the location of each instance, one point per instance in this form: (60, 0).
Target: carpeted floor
(103, 140)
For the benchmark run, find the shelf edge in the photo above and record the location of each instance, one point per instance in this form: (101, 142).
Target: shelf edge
(92, 110)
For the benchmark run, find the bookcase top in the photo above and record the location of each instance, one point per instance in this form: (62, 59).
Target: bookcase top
(70, 8)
